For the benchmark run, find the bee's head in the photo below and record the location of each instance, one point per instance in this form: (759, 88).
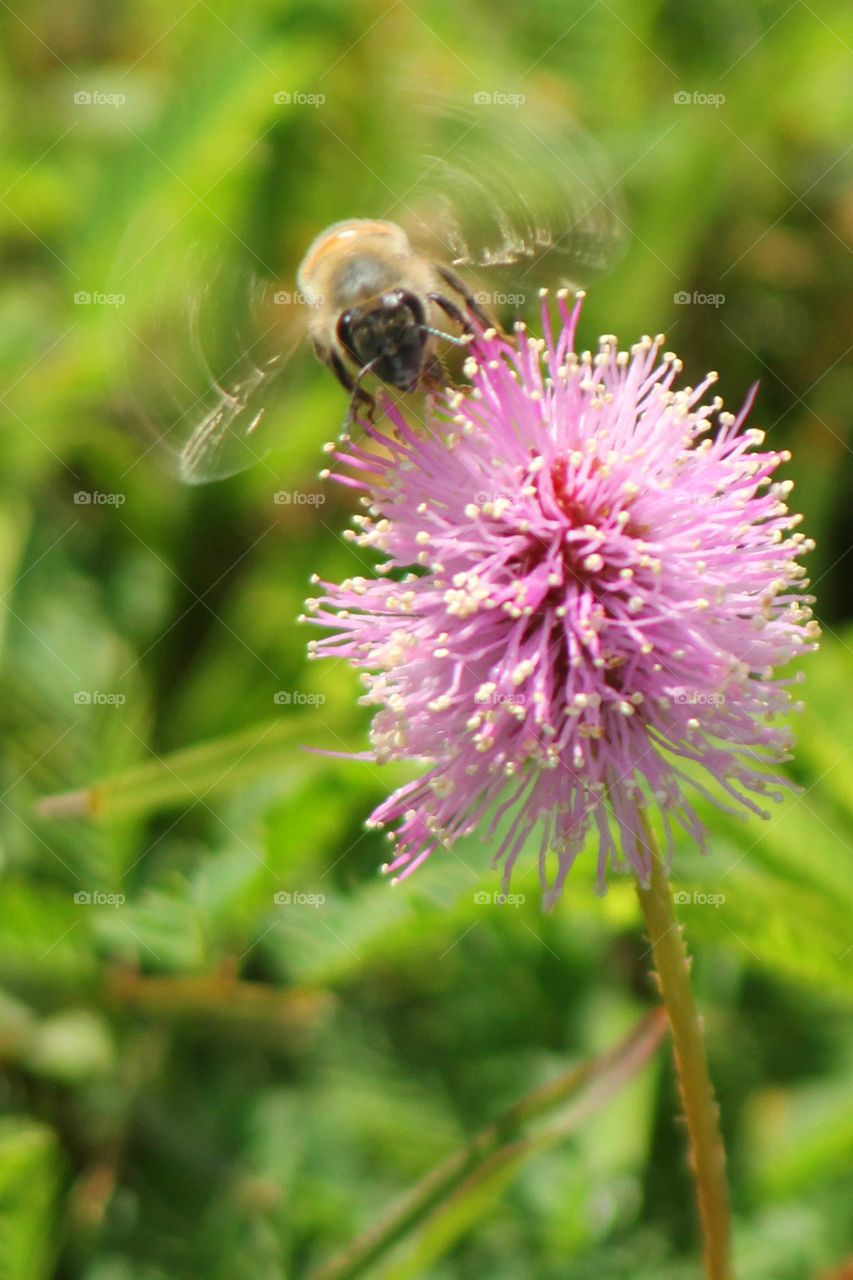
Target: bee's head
(387, 333)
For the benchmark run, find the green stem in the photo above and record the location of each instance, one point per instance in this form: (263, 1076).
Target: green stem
(595, 1081)
(191, 775)
(697, 1093)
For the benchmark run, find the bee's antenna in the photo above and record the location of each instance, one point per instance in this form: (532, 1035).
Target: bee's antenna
(448, 337)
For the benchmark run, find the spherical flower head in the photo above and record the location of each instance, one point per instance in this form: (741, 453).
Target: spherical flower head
(594, 578)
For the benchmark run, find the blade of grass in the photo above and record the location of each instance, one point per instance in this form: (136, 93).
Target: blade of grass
(587, 1087)
(220, 997)
(183, 776)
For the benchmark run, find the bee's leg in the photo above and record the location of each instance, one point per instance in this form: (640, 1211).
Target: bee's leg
(460, 287)
(358, 395)
(369, 401)
(454, 313)
(434, 376)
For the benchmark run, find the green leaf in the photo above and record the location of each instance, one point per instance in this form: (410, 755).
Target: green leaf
(29, 1186)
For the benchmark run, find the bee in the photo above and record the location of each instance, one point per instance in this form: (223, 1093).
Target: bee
(508, 199)
(377, 304)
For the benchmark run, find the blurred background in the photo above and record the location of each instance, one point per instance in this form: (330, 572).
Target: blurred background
(226, 1045)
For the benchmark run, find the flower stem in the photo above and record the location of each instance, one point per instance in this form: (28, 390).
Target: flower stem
(697, 1093)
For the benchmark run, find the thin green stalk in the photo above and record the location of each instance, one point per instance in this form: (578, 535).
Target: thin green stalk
(707, 1154)
(192, 774)
(499, 1143)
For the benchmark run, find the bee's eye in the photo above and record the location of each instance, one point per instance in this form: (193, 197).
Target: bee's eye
(345, 333)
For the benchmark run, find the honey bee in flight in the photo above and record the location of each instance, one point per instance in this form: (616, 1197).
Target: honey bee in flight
(509, 201)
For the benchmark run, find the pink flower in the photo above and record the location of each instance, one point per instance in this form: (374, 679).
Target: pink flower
(595, 578)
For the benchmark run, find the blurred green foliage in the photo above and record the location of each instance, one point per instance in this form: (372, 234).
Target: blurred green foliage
(198, 1080)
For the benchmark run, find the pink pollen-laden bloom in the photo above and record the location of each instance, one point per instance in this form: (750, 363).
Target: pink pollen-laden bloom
(595, 576)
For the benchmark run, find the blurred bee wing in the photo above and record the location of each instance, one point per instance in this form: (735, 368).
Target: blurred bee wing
(221, 443)
(206, 345)
(227, 429)
(514, 187)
